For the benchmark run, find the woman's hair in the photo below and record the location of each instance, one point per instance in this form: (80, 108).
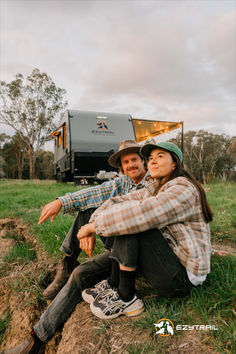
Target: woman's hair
(179, 171)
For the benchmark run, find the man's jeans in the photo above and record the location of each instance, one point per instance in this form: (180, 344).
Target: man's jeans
(151, 254)
(86, 275)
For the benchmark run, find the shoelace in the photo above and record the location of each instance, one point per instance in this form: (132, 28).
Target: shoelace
(102, 285)
(111, 296)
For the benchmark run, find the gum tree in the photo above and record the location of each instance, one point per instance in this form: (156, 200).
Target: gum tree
(31, 106)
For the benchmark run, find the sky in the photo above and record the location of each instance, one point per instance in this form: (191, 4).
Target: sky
(161, 60)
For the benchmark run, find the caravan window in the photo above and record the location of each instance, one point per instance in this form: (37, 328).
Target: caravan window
(59, 140)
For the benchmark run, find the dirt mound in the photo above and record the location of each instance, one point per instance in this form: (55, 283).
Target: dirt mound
(19, 285)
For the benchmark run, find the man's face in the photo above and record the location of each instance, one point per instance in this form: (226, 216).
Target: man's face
(133, 166)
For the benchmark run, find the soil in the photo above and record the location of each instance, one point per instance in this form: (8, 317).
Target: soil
(83, 332)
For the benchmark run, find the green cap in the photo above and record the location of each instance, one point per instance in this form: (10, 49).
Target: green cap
(171, 147)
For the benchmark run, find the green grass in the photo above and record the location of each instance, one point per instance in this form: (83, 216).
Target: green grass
(20, 253)
(210, 304)
(25, 199)
(5, 319)
(32, 288)
(222, 198)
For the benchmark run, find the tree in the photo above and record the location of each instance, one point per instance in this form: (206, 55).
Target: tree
(3, 138)
(44, 165)
(31, 106)
(209, 156)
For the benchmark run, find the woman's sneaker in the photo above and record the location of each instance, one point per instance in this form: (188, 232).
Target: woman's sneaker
(101, 289)
(112, 306)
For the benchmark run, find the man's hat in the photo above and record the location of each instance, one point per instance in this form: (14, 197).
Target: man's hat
(126, 147)
(171, 147)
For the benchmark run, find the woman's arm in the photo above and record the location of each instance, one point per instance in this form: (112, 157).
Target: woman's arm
(175, 203)
(136, 195)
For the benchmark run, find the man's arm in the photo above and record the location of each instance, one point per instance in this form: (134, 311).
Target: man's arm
(50, 210)
(92, 197)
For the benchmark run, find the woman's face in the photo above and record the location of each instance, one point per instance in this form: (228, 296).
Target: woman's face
(160, 163)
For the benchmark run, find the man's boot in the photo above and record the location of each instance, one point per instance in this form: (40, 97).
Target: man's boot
(29, 346)
(64, 270)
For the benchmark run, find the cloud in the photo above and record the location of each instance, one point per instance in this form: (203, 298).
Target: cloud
(170, 60)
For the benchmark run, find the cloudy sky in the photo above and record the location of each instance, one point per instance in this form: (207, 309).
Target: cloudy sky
(164, 60)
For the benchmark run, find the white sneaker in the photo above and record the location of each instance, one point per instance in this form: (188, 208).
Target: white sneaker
(112, 306)
(101, 289)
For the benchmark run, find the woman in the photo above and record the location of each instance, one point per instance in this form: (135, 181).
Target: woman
(161, 230)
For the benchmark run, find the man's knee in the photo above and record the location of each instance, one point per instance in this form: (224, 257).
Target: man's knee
(89, 273)
(79, 273)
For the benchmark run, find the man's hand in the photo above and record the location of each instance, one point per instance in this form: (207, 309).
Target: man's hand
(86, 230)
(87, 244)
(50, 210)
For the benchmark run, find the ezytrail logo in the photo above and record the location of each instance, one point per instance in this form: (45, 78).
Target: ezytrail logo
(102, 125)
(164, 327)
(103, 128)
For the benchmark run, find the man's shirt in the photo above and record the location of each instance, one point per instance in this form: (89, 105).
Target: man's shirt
(94, 197)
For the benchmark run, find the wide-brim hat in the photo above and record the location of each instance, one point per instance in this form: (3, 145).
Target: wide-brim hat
(126, 147)
(168, 146)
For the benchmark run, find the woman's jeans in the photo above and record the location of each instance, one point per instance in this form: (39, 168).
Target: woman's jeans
(151, 254)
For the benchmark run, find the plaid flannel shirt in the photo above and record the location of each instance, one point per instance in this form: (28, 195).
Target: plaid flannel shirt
(175, 209)
(94, 197)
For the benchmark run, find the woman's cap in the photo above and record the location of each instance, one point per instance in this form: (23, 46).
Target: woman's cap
(126, 147)
(168, 146)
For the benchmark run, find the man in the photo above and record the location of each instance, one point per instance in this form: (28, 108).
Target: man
(71, 279)
(86, 201)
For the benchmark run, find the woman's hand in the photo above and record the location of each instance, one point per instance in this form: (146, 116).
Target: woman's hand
(86, 231)
(87, 239)
(87, 244)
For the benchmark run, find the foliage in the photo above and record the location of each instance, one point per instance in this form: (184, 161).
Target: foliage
(15, 161)
(209, 156)
(3, 139)
(30, 105)
(44, 165)
(14, 153)
(4, 322)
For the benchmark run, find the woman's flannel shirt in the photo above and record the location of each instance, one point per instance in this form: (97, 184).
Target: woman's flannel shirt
(175, 210)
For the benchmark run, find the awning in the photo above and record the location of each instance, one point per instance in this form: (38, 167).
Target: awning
(147, 129)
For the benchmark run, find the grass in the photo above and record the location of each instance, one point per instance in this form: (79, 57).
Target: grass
(20, 253)
(25, 199)
(222, 198)
(5, 319)
(32, 287)
(211, 304)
